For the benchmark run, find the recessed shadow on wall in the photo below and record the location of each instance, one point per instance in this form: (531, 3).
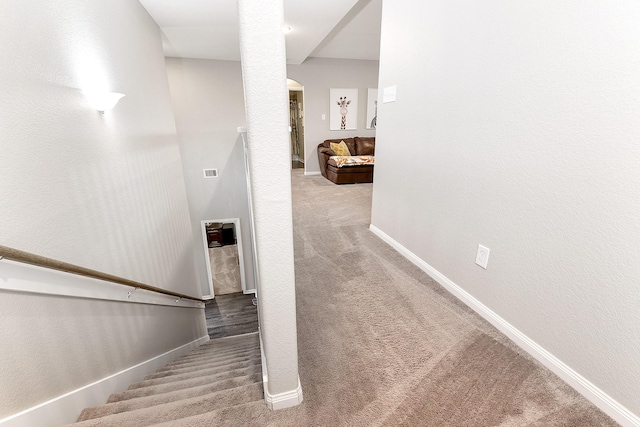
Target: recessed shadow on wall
(230, 200)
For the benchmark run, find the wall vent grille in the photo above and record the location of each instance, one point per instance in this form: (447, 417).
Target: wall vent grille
(210, 173)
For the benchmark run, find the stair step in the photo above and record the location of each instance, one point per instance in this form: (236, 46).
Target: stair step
(194, 374)
(210, 359)
(220, 348)
(159, 399)
(186, 383)
(179, 409)
(236, 339)
(201, 366)
(230, 342)
(212, 355)
(237, 413)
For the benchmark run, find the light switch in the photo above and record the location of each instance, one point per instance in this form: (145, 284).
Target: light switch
(389, 94)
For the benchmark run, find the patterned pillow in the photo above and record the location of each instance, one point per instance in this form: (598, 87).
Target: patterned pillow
(340, 149)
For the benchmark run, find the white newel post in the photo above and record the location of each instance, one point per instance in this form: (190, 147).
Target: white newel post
(263, 56)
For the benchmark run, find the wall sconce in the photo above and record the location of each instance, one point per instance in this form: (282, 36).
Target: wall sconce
(103, 101)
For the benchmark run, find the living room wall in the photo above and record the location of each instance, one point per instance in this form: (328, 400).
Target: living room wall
(318, 75)
(516, 127)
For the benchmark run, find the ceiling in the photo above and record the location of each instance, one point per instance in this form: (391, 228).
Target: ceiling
(208, 29)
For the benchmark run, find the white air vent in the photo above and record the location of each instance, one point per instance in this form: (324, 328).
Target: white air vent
(210, 173)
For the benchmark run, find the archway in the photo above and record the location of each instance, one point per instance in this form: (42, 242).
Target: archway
(296, 123)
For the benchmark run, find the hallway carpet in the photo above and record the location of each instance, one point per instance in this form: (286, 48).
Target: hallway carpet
(382, 344)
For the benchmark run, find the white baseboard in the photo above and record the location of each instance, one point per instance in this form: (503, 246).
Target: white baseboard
(280, 400)
(583, 386)
(312, 173)
(65, 409)
(265, 375)
(283, 400)
(249, 291)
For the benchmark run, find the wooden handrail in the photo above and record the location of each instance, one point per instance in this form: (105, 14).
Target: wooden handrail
(41, 261)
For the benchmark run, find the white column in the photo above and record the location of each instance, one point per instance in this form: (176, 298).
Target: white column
(266, 99)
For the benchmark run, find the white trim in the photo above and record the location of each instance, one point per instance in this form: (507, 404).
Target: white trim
(66, 408)
(207, 260)
(280, 400)
(20, 277)
(249, 291)
(238, 235)
(283, 400)
(311, 173)
(590, 391)
(263, 359)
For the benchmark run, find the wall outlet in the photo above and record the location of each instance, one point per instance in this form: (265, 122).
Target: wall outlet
(324, 117)
(482, 257)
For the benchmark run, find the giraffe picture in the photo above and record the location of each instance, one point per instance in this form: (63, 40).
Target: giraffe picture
(343, 109)
(372, 109)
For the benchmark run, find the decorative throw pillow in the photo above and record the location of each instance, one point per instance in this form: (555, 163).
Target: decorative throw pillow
(340, 149)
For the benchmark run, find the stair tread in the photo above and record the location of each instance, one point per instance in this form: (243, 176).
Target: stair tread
(205, 348)
(194, 374)
(228, 342)
(230, 416)
(202, 366)
(213, 356)
(179, 408)
(250, 337)
(186, 383)
(169, 396)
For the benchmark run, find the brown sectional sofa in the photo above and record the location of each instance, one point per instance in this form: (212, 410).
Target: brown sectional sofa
(358, 146)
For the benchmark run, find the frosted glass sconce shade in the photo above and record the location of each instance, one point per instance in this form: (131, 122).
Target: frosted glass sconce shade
(103, 101)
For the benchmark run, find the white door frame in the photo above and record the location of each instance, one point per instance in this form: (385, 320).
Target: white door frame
(236, 223)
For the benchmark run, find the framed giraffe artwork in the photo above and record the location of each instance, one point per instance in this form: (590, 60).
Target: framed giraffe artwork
(372, 108)
(343, 109)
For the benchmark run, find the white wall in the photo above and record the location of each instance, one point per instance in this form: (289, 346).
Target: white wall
(101, 191)
(263, 54)
(318, 75)
(208, 102)
(517, 127)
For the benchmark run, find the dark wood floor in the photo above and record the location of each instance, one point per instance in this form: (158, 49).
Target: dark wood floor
(231, 314)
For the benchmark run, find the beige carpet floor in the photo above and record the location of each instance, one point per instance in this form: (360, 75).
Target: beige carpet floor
(382, 344)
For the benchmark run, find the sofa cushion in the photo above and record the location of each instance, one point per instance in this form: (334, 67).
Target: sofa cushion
(340, 149)
(364, 146)
(341, 161)
(351, 144)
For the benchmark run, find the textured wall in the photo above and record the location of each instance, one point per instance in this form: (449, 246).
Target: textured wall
(91, 189)
(208, 102)
(521, 121)
(318, 75)
(266, 96)
(102, 191)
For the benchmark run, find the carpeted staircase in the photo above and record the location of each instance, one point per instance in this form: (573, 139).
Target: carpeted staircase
(223, 373)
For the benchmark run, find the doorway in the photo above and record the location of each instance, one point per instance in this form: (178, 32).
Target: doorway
(296, 122)
(224, 256)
